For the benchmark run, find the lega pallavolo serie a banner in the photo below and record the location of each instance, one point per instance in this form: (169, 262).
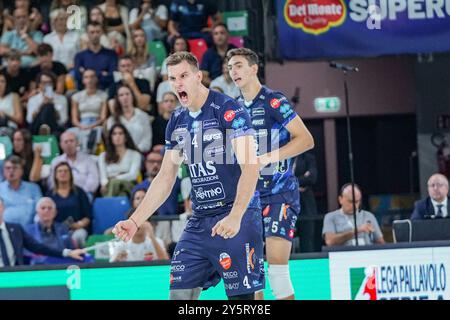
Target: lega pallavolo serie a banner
(314, 29)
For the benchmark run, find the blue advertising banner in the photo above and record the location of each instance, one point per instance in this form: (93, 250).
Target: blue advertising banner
(362, 28)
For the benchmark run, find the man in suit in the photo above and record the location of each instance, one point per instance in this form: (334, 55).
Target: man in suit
(13, 239)
(436, 205)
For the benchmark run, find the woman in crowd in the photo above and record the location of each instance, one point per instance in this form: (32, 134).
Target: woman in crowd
(144, 245)
(119, 166)
(72, 203)
(89, 112)
(11, 115)
(136, 121)
(58, 5)
(22, 147)
(151, 18)
(116, 21)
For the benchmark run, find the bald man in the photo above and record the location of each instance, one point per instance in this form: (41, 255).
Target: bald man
(436, 204)
(338, 226)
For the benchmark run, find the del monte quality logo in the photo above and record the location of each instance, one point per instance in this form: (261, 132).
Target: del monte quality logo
(314, 16)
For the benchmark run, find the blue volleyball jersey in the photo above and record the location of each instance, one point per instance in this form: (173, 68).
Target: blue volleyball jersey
(204, 138)
(271, 112)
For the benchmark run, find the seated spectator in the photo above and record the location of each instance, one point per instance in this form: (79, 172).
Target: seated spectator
(338, 226)
(64, 5)
(97, 15)
(46, 231)
(23, 148)
(116, 20)
(11, 115)
(96, 57)
(436, 205)
(72, 203)
(225, 83)
(136, 121)
(139, 87)
(168, 105)
(189, 18)
(84, 168)
(177, 44)
(19, 197)
(46, 63)
(144, 246)
(21, 38)
(120, 164)
(47, 107)
(151, 18)
(18, 78)
(213, 59)
(144, 61)
(34, 15)
(65, 43)
(89, 112)
(14, 239)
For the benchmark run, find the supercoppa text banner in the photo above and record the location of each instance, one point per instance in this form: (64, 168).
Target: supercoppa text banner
(362, 28)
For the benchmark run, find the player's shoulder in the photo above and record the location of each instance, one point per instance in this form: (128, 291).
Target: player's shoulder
(274, 98)
(177, 114)
(220, 102)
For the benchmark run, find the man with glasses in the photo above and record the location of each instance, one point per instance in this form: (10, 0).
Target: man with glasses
(436, 204)
(19, 197)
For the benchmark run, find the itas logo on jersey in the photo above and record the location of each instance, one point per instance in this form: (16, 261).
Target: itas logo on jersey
(275, 103)
(225, 260)
(229, 115)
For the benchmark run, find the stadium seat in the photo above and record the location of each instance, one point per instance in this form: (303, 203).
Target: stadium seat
(237, 41)
(158, 50)
(198, 48)
(107, 212)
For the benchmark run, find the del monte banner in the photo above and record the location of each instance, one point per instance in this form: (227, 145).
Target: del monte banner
(362, 28)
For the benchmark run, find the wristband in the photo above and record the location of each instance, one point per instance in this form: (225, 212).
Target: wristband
(134, 222)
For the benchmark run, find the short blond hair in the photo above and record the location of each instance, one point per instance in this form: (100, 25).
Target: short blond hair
(178, 57)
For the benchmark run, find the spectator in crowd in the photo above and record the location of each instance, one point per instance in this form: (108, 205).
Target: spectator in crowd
(72, 203)
(84, 168)
(136, 121)
(89, 112)
(65, 43)
(151, 18)
(96, 57)
(213, 59)
(120, 164)
(47, 107)
(22, 38)
(23, 148)
(11, 114)
(168, 105)
(225, 83)
(306, 172)
(14, 239)
(97, 15)
(35, 17)
(144, 246)
(47, 231)
(338, 226)
(19, 196)
(177, 44)
(189, 18)
(63, 6)
(436, 205)
(144, 61)
(46, 63)
(116, 20)
(18, 78)
(139, 87)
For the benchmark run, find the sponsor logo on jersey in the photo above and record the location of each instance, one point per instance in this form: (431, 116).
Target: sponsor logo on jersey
(275, 103)
(291, 233)
(215, 150)
(258, 112)
(232, 286)
(229, 115)
(177, 268)
(225, 260)
(212, 136)
(230, 275)
(238, 123)
(258, 122)
(266, 211)
(209, 192)
(210, 124)
(251, 258)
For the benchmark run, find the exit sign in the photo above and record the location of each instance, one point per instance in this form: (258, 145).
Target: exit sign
(327, 104)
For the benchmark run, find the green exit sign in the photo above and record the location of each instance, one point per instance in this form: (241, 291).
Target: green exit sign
(327, 104)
